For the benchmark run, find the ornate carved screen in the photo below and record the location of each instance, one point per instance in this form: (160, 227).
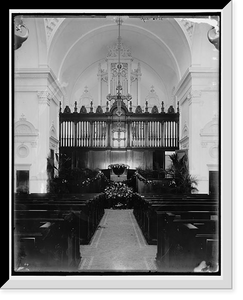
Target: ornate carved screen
(130, 130)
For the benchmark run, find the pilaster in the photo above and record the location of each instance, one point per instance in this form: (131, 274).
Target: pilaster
(44, 99)
(198, 97)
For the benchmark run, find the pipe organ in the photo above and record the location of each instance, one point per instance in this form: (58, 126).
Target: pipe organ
(130, 130)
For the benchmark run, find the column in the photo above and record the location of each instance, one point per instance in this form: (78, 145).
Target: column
(194, 152)
(44, 98)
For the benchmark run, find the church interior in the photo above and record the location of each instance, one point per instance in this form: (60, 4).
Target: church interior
(116, 162)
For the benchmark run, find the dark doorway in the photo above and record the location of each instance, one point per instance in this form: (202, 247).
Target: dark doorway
(213, 183)
(22, 181)
(158, 160)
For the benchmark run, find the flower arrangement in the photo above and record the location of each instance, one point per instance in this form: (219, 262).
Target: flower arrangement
(124, 166)
(118, 169)
(118, 190)
(118, 194)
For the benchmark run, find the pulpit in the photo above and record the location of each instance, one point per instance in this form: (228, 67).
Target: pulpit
(118, 172)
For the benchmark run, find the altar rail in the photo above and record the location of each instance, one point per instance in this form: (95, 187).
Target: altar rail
(132, 130)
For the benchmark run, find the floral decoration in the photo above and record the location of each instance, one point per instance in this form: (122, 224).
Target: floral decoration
(117, 190)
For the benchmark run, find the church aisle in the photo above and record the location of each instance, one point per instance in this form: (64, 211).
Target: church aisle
(118, 245)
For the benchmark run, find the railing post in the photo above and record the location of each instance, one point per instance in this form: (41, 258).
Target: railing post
(75, 133)
(108, 133)
(91, 134)
(128, 133)
(146, 133)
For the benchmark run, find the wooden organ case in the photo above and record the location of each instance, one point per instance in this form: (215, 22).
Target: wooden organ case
(97, 139)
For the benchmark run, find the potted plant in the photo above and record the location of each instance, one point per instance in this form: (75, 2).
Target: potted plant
(181, 180)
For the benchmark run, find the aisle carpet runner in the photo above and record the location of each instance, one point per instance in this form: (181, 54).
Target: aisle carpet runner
(118, 245)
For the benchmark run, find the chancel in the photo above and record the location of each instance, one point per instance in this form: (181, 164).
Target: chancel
(116, 161)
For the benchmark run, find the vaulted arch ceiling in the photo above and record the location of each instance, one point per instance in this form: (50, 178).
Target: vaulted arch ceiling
(78, 43)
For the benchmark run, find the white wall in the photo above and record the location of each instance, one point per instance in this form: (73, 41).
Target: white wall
(198, 94)
(36, 105)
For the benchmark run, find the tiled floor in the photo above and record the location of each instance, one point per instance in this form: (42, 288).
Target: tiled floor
(118, 245)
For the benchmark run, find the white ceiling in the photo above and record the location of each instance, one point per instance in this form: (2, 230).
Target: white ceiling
(79, 43)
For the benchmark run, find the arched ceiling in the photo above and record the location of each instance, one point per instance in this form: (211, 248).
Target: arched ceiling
(78, 43)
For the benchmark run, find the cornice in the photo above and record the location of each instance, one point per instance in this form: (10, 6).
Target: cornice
(39, 73)
(193, 72)
(36, 72)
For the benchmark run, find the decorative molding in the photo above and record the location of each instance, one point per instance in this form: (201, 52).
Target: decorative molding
(125, 52)
(24, 128)
(196, 93)
(184, 141)
(53, 143)
(33, 144)
(210, 129)
(204, 144)
(51, 26)
(213, 167)
(214, 151)
(44, 97)
(189, 26)
(155, 110)
(152, 95)
(53, 131)
(23, 77)
(193, 96)
(20, 166)
(25, 132)
(86, 96)
(185, 130)
(99, 110)
(83, 110)
(209, 135)
(23, 151)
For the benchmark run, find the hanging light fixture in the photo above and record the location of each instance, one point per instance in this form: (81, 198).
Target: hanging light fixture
(119, 97)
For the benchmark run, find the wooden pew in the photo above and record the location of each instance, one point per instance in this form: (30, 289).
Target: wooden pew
(36, 214)
(91, 210)
(146, 207)
(55, 242)
(184, 243)
(86, 228)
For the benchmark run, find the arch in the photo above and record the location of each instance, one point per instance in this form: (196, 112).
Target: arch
(147, 32)
(114, 107)
(24, 128)
(164, 48)
(211, 128)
